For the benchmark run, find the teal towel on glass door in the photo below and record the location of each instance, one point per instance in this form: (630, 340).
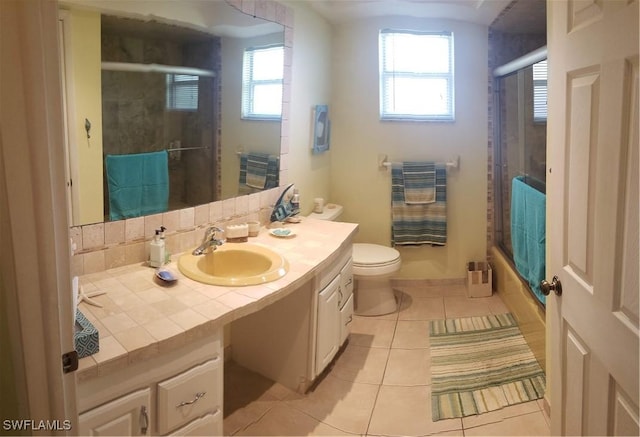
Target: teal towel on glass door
(138, 184)
(528, 234)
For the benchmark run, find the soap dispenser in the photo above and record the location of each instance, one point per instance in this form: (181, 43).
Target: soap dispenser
(295, 201)
(156, 252)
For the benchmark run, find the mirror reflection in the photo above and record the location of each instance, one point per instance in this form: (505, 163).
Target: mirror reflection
(174, 116)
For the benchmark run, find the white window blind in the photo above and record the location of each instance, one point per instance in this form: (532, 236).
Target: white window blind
(182, 92)
(540, 91)
(262, 76)
(416, 75)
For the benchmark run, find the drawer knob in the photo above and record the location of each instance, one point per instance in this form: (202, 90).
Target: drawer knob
(193, 401)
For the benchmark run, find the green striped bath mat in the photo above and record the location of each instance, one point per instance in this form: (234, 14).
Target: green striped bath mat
(480, 364)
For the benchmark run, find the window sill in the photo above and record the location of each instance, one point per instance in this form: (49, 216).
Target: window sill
(408, 118)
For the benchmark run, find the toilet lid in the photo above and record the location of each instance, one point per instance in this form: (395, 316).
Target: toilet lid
(374, 254)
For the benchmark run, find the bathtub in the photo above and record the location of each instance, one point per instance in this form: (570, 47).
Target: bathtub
(521, 303)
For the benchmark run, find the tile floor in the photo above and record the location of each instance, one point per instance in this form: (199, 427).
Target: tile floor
(379, 385)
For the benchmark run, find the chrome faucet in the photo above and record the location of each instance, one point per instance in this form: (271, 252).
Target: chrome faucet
(209, 242)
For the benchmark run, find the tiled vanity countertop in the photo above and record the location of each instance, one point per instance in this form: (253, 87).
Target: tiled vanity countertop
(140, 318)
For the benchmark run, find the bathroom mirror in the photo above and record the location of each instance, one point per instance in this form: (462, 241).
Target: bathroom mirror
(168, 80)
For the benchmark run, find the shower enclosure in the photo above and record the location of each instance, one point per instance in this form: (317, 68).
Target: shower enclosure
(520, 101)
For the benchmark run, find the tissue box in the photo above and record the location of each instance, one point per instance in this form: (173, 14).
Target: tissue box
(479, 279)
(86, 337)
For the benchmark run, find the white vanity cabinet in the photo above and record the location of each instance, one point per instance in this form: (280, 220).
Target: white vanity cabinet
(334, 310)
(176, 393)
(291, 341)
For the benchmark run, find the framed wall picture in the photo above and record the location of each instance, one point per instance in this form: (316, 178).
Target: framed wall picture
(321, 129)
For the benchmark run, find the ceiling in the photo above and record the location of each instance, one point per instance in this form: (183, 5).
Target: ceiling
(524, 16)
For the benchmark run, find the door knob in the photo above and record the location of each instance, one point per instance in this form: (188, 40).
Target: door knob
(555, 286)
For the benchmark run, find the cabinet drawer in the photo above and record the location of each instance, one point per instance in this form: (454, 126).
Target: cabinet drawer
(346, 282)
(211, 424)
(189, 395)
(346, 317)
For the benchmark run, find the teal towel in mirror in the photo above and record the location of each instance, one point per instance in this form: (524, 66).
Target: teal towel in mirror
(251, 165)
(138, 184)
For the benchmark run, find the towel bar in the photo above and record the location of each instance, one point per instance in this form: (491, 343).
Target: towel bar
(452, 164)
(180, 149)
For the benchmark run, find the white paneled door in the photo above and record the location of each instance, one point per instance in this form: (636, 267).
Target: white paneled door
(592, 216)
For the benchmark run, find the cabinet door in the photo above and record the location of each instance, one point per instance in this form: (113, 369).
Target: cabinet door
(328, 333)
(127, 416)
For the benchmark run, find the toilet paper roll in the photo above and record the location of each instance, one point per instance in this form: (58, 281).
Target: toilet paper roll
(318, 205)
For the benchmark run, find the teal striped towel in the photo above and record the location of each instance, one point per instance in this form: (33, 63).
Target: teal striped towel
(423, 223)
(271, 176)
(138, 184)
(419, 182)
(257, 164)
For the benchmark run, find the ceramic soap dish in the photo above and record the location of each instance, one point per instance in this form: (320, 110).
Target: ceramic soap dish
(165, 275)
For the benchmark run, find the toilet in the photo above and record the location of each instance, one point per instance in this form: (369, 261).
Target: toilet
(373, 266)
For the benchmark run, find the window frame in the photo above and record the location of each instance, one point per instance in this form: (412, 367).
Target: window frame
(173, 90)
(539, 72)
(384, 75)
(249, 84)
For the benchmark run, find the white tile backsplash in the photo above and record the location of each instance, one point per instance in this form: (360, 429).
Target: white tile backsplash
(114, 232)
(171, 220)
(134, 229)
(202, 214)
(187, 218)
(215, 211)
(151, 223)
(228, 208)
(93, 236)
(116, 244)
(242, 205)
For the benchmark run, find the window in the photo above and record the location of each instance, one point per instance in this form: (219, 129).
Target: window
(262, 82)
(182, 92)
(540, 91)
(416, 75)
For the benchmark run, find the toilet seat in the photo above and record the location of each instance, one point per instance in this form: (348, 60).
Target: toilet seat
(374, 259)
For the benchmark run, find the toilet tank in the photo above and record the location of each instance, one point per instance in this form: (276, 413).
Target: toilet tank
(331, 212)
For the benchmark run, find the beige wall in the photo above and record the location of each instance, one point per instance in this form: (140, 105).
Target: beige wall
(311, 85)
(358, 137)
(86, 71)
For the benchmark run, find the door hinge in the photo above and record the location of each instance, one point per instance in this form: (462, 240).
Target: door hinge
(70, 362)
